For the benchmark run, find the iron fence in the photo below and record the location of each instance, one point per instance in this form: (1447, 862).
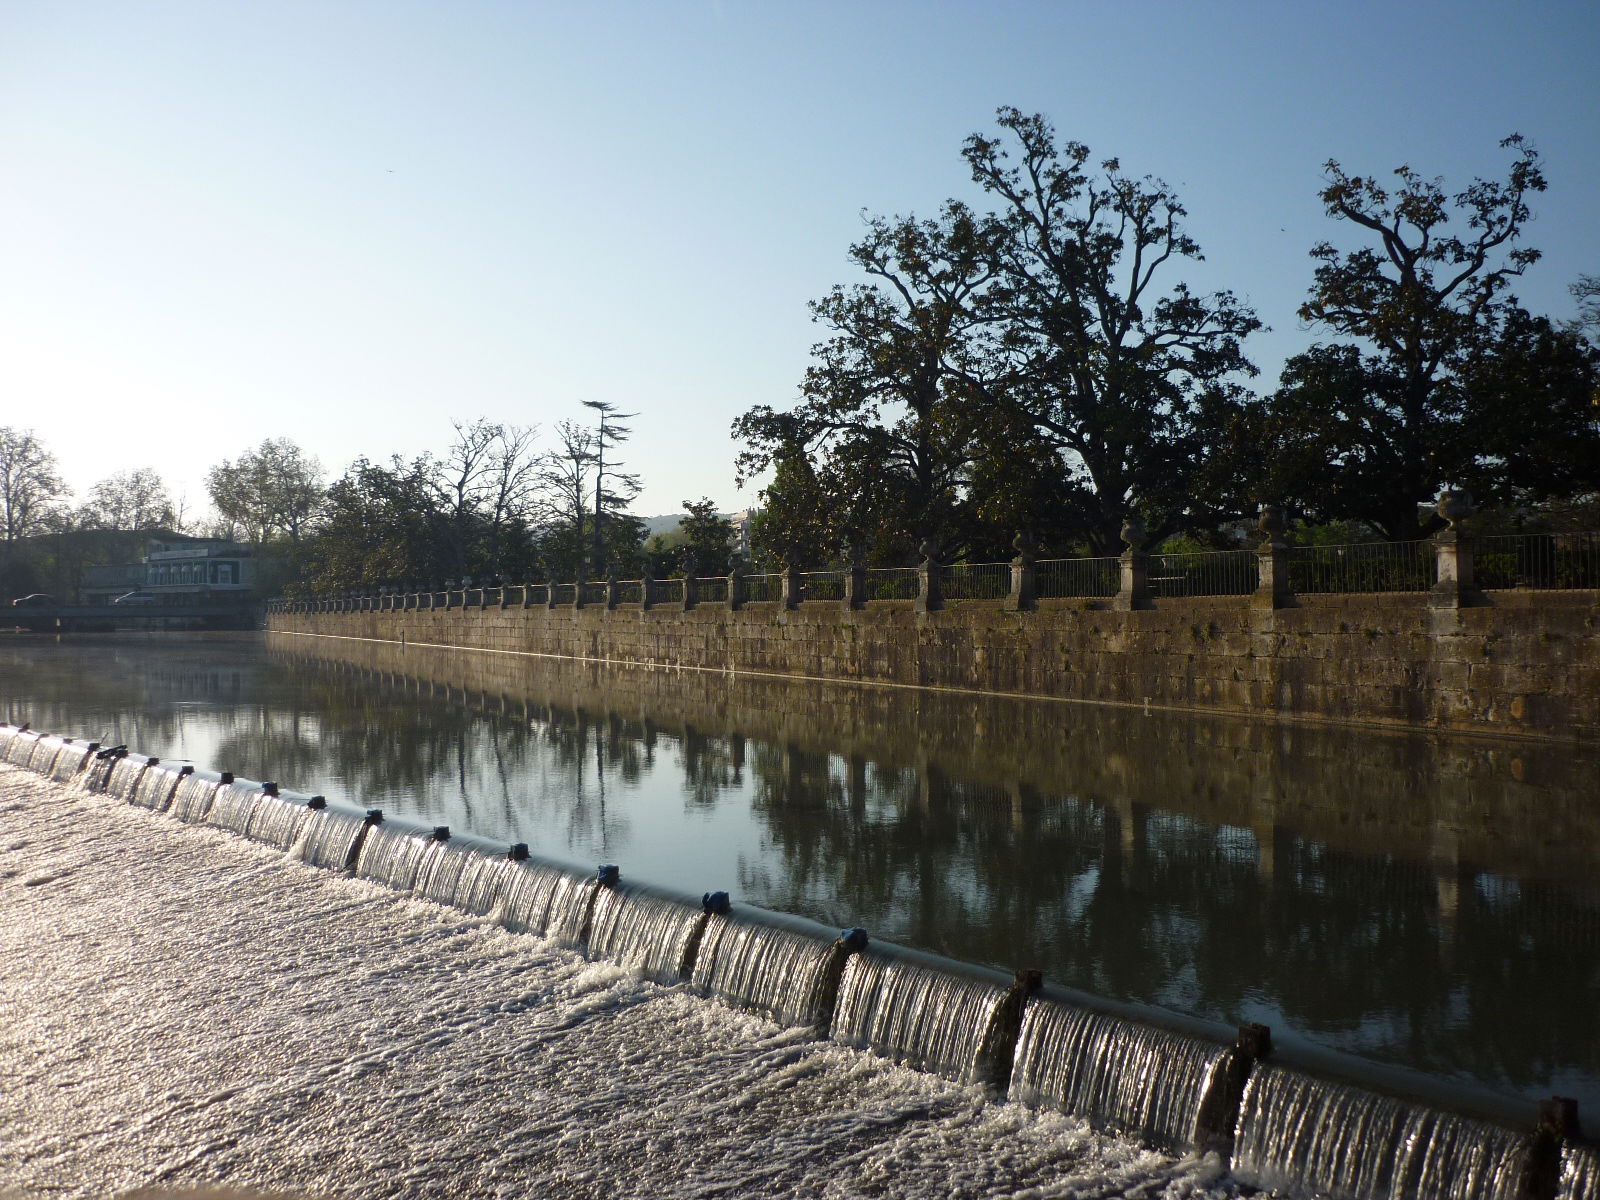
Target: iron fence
(669, 591)
(975, 581)
(630, 591)
(1538, 560)
(892, 583)
(595, 592)
(563, 593)
(1203, 573)
(763, 589)
(822, 585)
(712, 589)
(1363, 567)
(1090, 578)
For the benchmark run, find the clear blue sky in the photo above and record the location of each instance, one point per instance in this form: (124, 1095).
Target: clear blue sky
(349, 223)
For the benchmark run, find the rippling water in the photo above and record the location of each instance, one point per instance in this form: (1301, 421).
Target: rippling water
(1415, 899)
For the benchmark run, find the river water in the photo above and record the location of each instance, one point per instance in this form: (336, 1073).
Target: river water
(1417, 900)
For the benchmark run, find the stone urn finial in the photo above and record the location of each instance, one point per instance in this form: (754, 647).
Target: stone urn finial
(929, 550)
(1026, 545)
(1455, 505)
(1133, 532)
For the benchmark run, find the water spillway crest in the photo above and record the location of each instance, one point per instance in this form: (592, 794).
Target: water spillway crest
(546, 900)
(72, 759)
(122, 781)
(1298, 1133)
(779, 969)
(278, 820)
(920, 1013)
(1121, 1075)
(652, 935)
(329, 838)
(193, 798)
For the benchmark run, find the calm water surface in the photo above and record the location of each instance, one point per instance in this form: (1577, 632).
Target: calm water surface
(1420, 900)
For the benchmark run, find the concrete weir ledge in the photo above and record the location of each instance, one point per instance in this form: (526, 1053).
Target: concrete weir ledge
(1000, 1036)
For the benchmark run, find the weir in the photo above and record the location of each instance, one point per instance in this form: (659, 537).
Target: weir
(1164, 1083)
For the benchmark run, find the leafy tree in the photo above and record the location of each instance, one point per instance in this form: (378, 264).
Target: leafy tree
(706, 538)
(381, 525)
(1418, 308)
(891, 388)
(1586, 291)
(1128, 378)
(31, 491)
(273, 490)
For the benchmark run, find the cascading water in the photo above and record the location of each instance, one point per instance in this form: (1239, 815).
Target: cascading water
(1580, 1174)
(776, 971)
(917, 1014)
(548, 901)
(194, 796)
(483, 882)
(325, 840)
(1300, 1134)
(19, 750)
(154, 789)
(396, 854)
(233, 805)
(44, 754)
(645, 933)
(1132, 1078)
(123, 781)
(69, 762)
(277, 821)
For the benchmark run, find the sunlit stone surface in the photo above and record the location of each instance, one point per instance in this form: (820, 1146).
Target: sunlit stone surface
(183, 1007)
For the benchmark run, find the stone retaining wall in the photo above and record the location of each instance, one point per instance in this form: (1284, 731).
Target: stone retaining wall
(1528, 662)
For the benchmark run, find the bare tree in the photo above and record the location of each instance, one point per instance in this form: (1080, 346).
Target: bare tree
(131, 500)
(30, 488)
(274, 489)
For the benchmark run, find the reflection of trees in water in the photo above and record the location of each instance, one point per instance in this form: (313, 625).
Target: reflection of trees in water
(1130, 902)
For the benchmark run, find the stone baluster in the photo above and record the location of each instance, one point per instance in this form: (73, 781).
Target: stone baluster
(855, 577)
(1134, 592)
(1452, 548)
(736, 585)
(611, 589)
(930, 584)
(793, 585)
(1024, 595)
(691, 585)
(1273, 589)
(647, 589)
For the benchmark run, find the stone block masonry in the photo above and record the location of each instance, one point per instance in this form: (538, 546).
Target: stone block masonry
(1524, 663)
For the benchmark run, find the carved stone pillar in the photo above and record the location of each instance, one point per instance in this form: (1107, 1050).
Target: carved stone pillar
(1024, 595)
(1452, 548)
(855, 577)
(736, 585)
(1134, 592)
(793, 585)
(930, 589)
(1273, 589)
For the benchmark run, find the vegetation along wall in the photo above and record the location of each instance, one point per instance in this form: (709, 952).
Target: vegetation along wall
(1524, 663)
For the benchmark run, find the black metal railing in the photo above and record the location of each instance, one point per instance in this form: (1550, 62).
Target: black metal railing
(1538, 560)
(1203, 573)
(1363, 567)
(1089, 578)
(975, 581)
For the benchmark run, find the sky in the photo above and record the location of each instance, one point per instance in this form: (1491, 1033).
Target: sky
(351, 224)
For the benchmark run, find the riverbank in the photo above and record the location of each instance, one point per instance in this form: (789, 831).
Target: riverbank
(188, 1008)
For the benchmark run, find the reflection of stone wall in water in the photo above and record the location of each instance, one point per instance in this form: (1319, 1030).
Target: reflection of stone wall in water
(1530, 663)
(1518, 808)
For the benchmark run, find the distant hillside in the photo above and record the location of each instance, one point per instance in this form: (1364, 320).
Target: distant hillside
(663, 524)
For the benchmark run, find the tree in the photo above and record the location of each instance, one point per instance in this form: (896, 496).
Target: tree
(563, 483)
(31, 492)
(892, 387)
(30, 486)
(610, 432)
(1586, 291)
(706, 537)
(1419, 307)
(483, 487)
(1128, 378)
(136, 501)
(382, 525)
(275, 489)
